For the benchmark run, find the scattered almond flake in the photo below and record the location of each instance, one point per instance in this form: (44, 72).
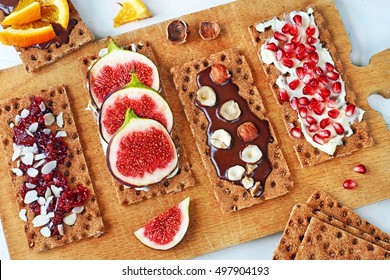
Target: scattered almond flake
(50, 215)
(16, 154)
(35, 149)
(60, 120)
(43, 210)
(39, 163)
(49, 119)
(48, 201)
(26, 150)
(41, 200)
(32, 172)
(46, 131)
(30, 196)
(30, 186)
(24, 114)
(17, 172)
(39, 156)
(42, 106)
(60, 228)
(17, 119)
(56, 191)
(40, 220)
(22, 215)
(49, 167)
(47, 193)
(70, 220)
(11, 125)
(33, 127)
(78, 210)
(61, 134)
(133, 47)
(45, 231)
(29, 133)
(28, 159)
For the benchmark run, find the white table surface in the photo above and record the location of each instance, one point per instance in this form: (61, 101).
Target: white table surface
(366, 21)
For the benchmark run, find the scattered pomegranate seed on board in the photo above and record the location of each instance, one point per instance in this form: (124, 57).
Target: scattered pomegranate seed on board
(349, 184)
(360, 168)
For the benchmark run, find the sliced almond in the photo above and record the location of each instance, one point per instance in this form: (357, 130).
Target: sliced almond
(43, 210)
(47, 193)
(221, 139)
(45, 231)
(78, 210)
(60, 228)
(39, 156)
(16, 154)
(41, 200)
(49, 167)
(32, 172)
(17, 172)
(30, 197)
(33, 127)
(25, 113)
(49, 119)
(230, 110)
(40, 220)
(251, 154)
(28, 159)
(235, 173)
(30, 186)
(61, 134)
(56, 191)
(60, 120)
(206, 96)
(70, 220)
(39, 163)
(247, 182)
(47, 131)
(22, 215)
(42, 106)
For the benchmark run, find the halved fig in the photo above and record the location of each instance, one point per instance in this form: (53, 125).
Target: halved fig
(166, 230)
(141, 153)
(144, 101)
(113, 71)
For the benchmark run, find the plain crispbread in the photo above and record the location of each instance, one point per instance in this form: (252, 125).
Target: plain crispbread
(307, 154)
(326, 242)
(35, 58)
(89, 223)
(230, 197)
(182, 180)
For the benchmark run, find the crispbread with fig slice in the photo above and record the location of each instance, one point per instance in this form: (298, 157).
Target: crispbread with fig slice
(231, 197)
(34, 58)
(307, 154)
(89, 222)
(183, 179)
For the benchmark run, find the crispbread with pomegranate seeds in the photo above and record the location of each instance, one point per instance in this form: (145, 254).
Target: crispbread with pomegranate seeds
(89, 223)
(326, 242)
(34, 58)
(307, 154)
(177, 183)
(296, 227)
(230, 197)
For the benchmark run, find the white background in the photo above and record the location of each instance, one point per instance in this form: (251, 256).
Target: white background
(367, 23)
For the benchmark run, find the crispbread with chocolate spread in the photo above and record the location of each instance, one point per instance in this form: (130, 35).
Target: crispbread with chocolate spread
(308, 154)
(89, 222)
(34, 58)
(230, 196)
(177, 183)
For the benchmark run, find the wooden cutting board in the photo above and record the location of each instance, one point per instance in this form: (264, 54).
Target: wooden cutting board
(209, 230)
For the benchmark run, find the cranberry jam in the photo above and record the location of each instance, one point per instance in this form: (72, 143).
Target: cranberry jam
(31, 130)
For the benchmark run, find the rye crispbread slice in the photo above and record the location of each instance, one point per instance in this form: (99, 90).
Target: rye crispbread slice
(326, 242)
(296, 227)
(89, 223)
(306, 153)
(230, 197)
(183, 179)
(35, 58)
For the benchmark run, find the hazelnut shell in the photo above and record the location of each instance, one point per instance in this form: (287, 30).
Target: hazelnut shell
(177, 32)
(209, 30)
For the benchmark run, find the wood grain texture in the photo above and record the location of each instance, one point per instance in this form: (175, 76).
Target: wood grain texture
(209, 230)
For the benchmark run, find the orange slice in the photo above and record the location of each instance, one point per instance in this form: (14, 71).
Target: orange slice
(28, 14)
(27, 35)
(55, 11)
(131, 10)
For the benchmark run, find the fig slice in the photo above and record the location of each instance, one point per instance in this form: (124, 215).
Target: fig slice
(113, 71)
(141, 153)
(166, 230)
(144, 101)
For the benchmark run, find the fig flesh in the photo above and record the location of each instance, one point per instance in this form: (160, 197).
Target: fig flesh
(113, 71)
(166, 230)
(144, 101)
(141, 153)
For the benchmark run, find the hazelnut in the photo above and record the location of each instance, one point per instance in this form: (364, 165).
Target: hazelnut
(209, 30)
(247, 131)
(177, 32)
(219, 74)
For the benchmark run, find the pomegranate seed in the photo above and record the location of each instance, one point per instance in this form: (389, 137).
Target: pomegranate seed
(280, 36)
(290, 54)
(318, 69)
(338, 128)
(301, 56)
(320, 97)
(310, 120)
(313, 128)
(333, 75)
(349, 184)
(313, 103)
(324, 133)
(310, 30)
(336, 87)
(296, 40)
(311, 40)
(300, 48)
(323, 80)
(303, 101)
(319, 109)
(332, 103)
(286, 28)
(294, 30)
(288, 62)
(283, 95)
(289, 46)
(307, 78)
(334, 113)
(294, 103)
(300, 72)
(350, 110)
(296, 132)
(325, 92)
(360, 168)
(310, 48)
(314, 57)
(309, 65)
(280, 54)
(298, 20)
(329, 67)
(318, 139)
(325, 122)
(294, 84)
(314, 83)
(271, 47)
(303, 112)
(308, 90)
